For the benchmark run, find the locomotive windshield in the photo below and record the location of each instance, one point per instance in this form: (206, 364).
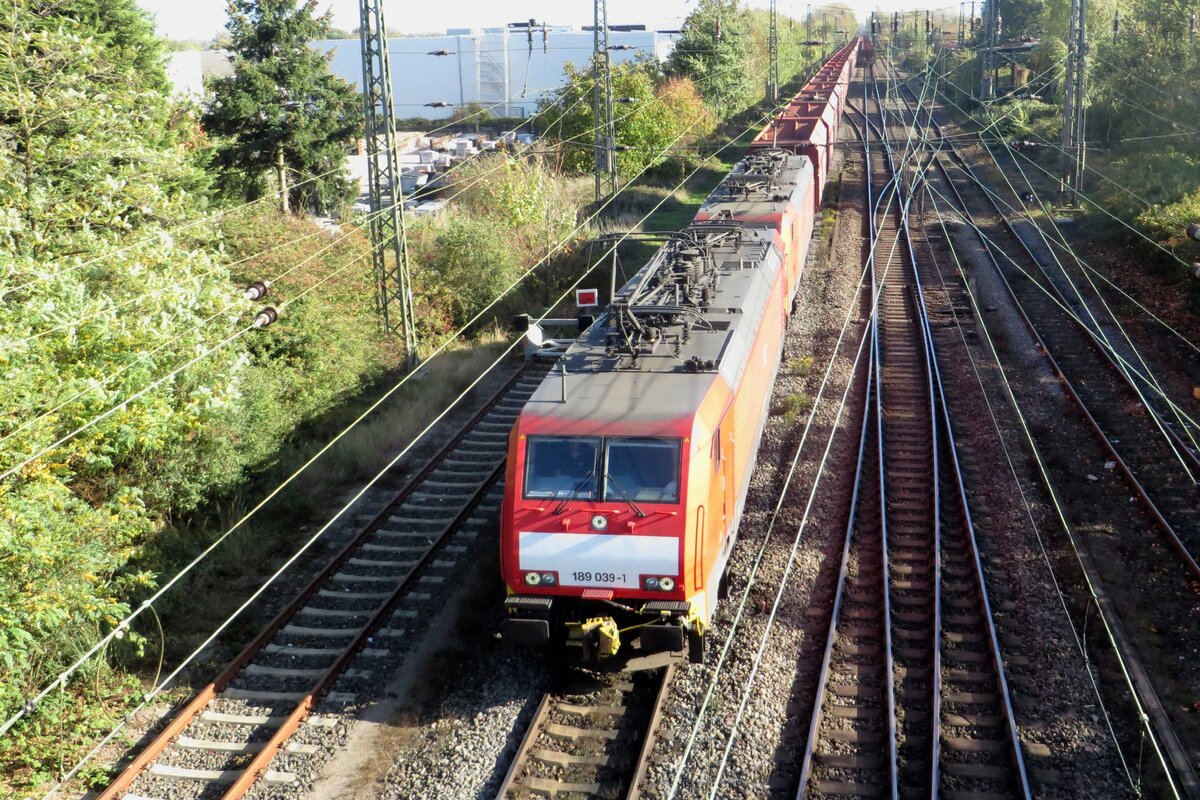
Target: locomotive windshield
(635, 468)
(640, 468)
(562, 466)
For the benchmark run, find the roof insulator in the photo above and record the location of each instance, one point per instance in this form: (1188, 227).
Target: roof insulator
(1193, 231)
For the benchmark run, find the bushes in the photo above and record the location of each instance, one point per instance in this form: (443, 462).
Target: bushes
(509, 213)
(659, 112)
(468, 263)
(100, 301)
(327, 344)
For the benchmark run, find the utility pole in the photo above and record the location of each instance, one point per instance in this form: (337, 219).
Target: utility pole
(773, 55)
(988, 55)
(1074, 145)
(281, 174)
(389, 234)
(602, 105)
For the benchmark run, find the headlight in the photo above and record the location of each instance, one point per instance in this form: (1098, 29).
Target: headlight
(650, 583)
(666, 584)
(547, 578)
(532, 579)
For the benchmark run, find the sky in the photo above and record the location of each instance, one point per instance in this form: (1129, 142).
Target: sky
(204, 19)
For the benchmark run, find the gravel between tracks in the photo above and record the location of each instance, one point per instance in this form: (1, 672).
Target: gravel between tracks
(1055, 707)
(1066, 745)
(464, 702)
(827, 289)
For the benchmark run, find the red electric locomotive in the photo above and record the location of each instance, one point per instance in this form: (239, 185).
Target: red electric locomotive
(629, 467)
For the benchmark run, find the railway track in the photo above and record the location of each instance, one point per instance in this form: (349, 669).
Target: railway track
(976, 746)
(590, 737)
(1141, 440)
(1107, 399)
(913, 701)
(357, 609)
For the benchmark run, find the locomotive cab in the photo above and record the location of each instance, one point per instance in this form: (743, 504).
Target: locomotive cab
(595, 529)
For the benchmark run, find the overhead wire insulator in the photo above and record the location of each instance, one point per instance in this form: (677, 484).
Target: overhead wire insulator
(440, 53)
(438, 104)
(257, 290)
(265, 317)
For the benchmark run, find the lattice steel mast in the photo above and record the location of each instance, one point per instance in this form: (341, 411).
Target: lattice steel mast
(1074, 145)
(389, 243)
(773, 56)
(988, 53)
(602, 105)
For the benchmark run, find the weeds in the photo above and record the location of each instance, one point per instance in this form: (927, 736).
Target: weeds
(801, 365)
(792, 406)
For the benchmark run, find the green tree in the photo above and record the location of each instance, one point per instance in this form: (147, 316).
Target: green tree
(656, 112)
(830, 18)
(98, 300)
(714, 51)
(282, 105)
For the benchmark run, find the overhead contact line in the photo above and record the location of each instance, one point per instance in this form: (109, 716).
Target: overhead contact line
(1151, 716)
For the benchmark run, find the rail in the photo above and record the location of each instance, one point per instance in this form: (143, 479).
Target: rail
(958, 731)
(604, 749)
(296, 658)
(1087, 371)
(1136, 433)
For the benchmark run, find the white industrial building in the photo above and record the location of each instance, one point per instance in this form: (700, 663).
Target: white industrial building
(505, 68)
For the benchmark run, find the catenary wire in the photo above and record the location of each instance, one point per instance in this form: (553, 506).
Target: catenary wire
(170, 678)
(1098, 331)
(119, 629)
(461, 188)
(145, 296)
(888, 191)
(909, 153)
(1060, 512)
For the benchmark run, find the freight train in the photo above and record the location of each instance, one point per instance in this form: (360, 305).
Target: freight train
(629, 466)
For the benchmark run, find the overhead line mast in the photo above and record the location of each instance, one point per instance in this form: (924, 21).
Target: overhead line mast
(773, 55)
(1074, 144)
(602, 105)
(389, 241)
